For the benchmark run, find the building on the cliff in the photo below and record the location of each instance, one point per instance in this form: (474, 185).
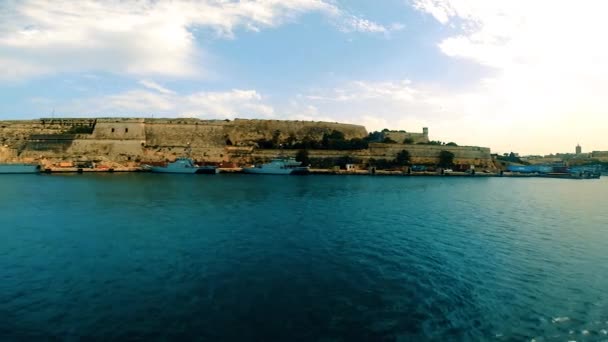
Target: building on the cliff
(408, 137)
(578, 149)
(600, 155)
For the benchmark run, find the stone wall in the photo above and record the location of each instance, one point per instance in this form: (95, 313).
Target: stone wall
(429, 154)
(197, 135)
(107, 129)
(420, 154)
(134, 140)
(245, 132)
(600, 155)
(400, 136)
(129, 139)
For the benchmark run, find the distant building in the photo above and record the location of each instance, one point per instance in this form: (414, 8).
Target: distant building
(579, 149)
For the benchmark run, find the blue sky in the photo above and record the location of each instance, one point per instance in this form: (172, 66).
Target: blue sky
(511, 75)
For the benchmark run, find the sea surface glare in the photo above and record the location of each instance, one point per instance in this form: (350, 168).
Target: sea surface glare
(319, 258)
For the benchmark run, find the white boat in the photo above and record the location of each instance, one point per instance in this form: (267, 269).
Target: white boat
(181, 165)
(279, 166)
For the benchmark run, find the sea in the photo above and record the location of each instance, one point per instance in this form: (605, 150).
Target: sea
(228, 257)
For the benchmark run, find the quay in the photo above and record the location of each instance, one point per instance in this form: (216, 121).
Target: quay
(335, 172)
(89, 170)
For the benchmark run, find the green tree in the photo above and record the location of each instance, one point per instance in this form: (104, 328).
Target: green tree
(302, 157)
(446, 159)
(408, 141)
(388, 140)
(332, 139)
(374, 136)
(451, 144)
(403, 158)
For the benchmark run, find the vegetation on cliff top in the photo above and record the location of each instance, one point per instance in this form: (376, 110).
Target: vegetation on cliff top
(334, 140)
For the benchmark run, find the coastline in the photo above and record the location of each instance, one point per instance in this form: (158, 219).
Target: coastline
(313, 172)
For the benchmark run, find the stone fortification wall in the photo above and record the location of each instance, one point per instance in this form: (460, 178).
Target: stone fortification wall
(266, 154)
(420, 154)
(182, 134)
(133, 140)
(116, 129)
(128, 139)
(600, 155)
(114, 150)
(400, 137)
(245, 132)
(429, 154)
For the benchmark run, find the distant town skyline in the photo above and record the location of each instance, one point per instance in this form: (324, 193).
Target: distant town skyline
(512, 75)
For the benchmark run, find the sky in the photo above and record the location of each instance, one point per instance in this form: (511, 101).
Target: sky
(513, 75)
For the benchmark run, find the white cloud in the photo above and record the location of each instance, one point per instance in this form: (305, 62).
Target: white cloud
(144, 103)
(546, 69)
(137, 37)
(352, 23)
(439, 9)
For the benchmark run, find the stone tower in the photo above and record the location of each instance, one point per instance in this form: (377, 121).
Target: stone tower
(579, 149)
(425, 132)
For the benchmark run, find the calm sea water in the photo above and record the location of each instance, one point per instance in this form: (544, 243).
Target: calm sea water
(317, 258)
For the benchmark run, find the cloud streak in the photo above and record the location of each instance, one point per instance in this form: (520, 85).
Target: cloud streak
(155, 86)
(155, 99)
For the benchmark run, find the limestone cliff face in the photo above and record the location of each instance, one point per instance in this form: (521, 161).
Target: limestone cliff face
(245, 132)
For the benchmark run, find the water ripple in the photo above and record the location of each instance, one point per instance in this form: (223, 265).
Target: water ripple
(227, 257)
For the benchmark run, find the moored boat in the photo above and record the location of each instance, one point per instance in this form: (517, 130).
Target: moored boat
(181, 165)
(572, 175)
(279, 166)
(19, 168)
